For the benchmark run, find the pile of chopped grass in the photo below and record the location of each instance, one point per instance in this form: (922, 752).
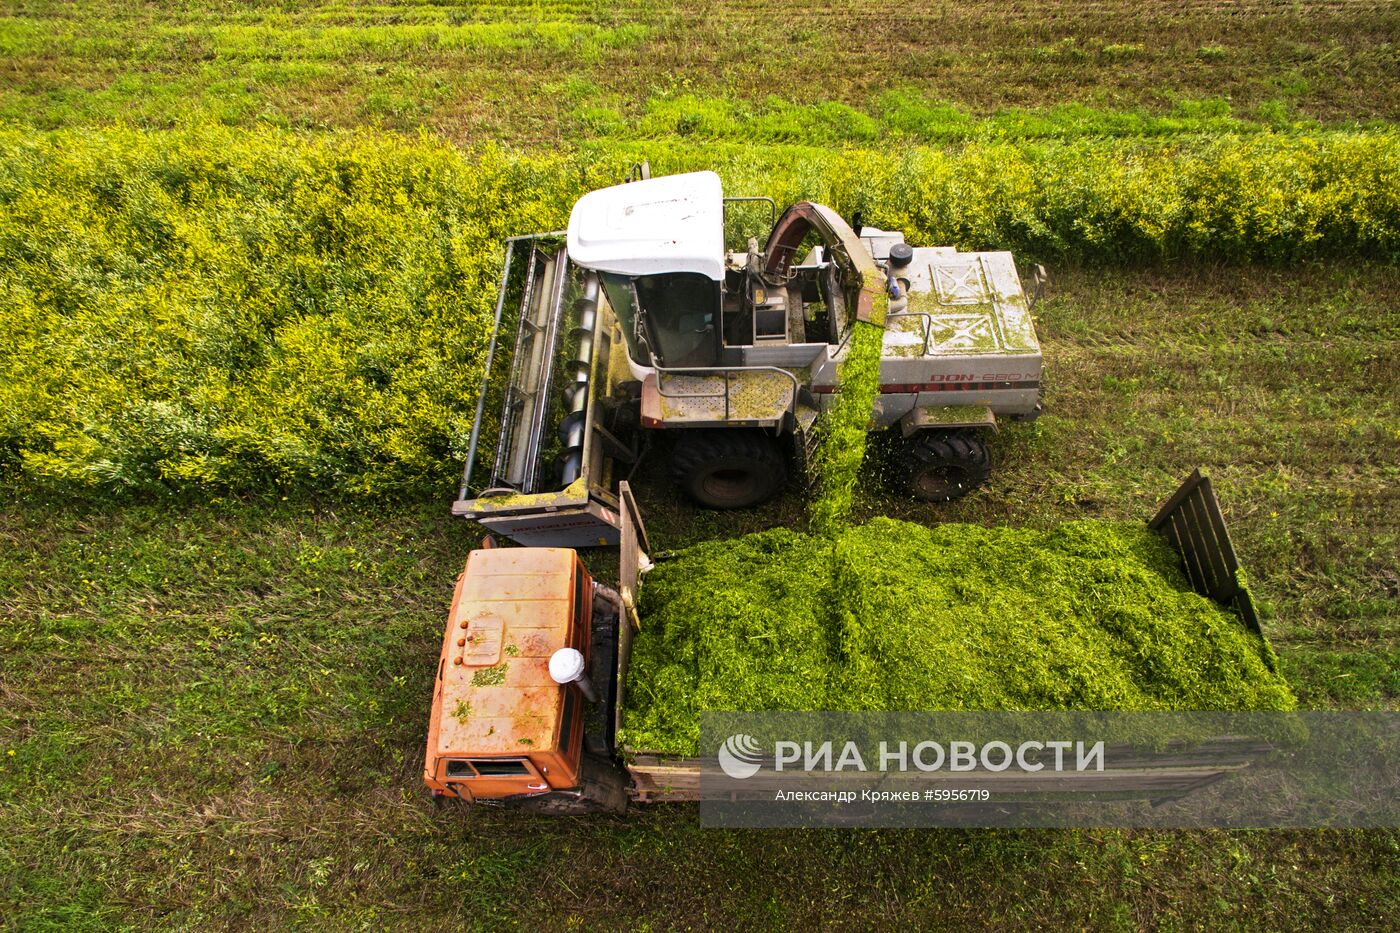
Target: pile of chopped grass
(895, 616)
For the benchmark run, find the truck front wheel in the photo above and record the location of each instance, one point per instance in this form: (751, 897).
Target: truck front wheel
(564, 804)
(602, 789)
(940, 466)
(728, 469)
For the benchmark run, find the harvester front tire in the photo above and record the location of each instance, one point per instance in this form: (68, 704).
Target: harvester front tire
(939, 467)
(728, 469)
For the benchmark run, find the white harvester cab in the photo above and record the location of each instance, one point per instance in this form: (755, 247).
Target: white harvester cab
(639, 319)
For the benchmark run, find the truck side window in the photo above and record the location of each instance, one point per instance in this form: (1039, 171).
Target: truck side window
(499, 767)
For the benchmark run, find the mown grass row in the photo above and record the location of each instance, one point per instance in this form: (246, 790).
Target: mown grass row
(226, 309)
(545, 72)
(908, 115)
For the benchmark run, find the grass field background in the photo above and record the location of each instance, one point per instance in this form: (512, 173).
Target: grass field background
(540, 72)
(231, 412)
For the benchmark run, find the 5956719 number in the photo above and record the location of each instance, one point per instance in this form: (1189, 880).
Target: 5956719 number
(961, 795)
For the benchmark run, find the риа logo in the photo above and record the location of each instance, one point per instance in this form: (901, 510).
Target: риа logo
(740, 756)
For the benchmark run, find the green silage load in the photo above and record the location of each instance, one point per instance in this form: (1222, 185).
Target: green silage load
(895, 616)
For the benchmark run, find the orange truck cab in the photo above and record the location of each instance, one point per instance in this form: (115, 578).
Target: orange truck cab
(502, 729)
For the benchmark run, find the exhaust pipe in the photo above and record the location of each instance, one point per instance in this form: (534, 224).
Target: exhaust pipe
(566, 667)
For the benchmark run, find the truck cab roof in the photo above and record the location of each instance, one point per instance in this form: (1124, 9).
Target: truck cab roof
(660, 225)
(515, 607)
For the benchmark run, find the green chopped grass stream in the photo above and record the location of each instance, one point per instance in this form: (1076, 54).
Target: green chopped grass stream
(844, 427)
(891, 615)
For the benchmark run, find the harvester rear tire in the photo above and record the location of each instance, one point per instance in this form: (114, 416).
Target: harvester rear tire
(728, 469)
(939, 466)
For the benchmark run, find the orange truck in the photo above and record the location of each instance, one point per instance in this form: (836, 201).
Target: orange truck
(528, 690)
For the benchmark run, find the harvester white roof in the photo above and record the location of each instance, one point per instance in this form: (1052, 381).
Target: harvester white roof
(670, 224)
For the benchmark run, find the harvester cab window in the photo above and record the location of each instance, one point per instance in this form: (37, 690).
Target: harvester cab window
(682, 317)
(623, 299)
